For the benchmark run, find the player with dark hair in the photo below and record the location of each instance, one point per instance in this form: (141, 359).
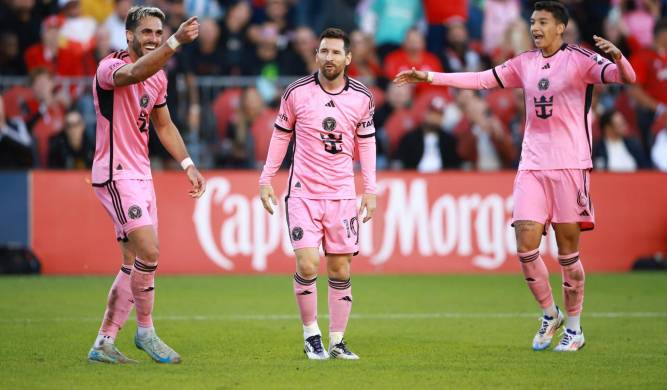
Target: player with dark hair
(553, 182)
(329, 114)
(129, 89)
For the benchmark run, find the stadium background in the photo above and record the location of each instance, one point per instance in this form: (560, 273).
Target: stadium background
(225, 303)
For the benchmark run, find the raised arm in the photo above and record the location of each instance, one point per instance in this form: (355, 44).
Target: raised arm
(620, 71)
(466, 80)
(149, 64)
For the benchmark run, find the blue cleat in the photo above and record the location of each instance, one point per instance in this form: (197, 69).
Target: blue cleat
(156, 348)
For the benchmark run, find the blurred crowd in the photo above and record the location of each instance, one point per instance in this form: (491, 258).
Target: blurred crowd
(49, 49)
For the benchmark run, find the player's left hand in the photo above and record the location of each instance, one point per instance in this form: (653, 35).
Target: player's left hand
(607, 47)
(368, 202)
(197, 180)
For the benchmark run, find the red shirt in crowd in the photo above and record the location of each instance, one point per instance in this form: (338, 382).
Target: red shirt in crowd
(651, 69)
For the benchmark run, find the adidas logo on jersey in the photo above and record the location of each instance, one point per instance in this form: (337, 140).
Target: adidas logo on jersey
(547, 66)
(584, 214)
(297, 185)
(330, 104)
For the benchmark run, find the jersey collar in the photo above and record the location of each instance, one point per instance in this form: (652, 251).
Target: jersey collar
(562, 47)
(347, 84)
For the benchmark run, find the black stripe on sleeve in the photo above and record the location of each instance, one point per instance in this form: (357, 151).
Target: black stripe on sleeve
(160, 105)
(282, 128)
(366, 135)
(602, 74)
(497, 78)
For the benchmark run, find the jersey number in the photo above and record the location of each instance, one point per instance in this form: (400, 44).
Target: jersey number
(142, 122)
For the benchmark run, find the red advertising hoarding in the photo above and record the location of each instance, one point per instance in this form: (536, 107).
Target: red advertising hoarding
(448, 222)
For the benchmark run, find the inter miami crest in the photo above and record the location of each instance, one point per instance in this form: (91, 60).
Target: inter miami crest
(134, 212)
(144, 101)
(329, 123)
(543, 84)
(297, 233)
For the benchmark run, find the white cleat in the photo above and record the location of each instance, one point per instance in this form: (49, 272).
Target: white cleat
(108, 353)
(571, 342)
(157, 349)
(340, 351)
(547, 331)
(313, 348)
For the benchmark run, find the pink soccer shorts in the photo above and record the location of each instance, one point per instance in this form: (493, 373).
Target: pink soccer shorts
(130, 204)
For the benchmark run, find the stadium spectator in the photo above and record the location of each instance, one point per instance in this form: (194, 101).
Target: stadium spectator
(300, 58)
(365, 63)
(639, 16)
(205, 57)
(21, 17)
(458, 56)
(16, 144)
(71, 148)
(617, 151)
(60, 57)
(429, 148)
(438, 14)
(273, 28)
(76, 27)
(99, 50)
(10, 58)
(238, 150)
(388, 21)
(486, 145)
(233, 37)
(100, 10)
(203, 8)
(115, 23)
(498, 16)
(44, 112)
(650, 89)
(412, 54)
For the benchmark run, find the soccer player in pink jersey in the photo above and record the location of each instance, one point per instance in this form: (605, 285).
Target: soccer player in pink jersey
(329, 115)
(129, 89)
(553, 182)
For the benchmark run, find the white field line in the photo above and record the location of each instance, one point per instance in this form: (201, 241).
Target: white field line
(360, 316)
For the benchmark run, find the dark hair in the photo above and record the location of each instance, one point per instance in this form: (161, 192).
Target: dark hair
(606, 118)
(557, 9)
(135, 14)
(660, 26)
(337, 33)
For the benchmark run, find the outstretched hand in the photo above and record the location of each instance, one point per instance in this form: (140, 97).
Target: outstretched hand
(410, 76)
(607, 47)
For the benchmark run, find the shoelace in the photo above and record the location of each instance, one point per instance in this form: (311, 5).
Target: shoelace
(543, 328)
(342, 346)
(566, 338)
(316, 343)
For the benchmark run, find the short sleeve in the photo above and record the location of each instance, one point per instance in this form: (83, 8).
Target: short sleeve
(106, 70)
(366, 126)
(286, 116)
(508, 74)
(592, 68)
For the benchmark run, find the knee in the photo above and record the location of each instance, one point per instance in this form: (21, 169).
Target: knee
(339, 270)
(307, 268)
(150, 254)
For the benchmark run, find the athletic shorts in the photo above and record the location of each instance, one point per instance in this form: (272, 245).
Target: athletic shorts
(333, 223)
(130, 203)
(554, 196)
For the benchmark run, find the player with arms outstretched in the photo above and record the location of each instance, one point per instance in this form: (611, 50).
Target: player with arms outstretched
(329, 114)
(553, 182)
(129, 89)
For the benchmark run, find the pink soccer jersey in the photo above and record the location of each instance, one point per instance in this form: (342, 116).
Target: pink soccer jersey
(325, 127)
(557, 90)
(123, 115)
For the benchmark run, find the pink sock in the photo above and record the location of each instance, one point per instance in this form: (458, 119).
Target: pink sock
(340, 304)
(305, 291)
(573, 283)
(119, 304)
(537, 277)
(142, 281)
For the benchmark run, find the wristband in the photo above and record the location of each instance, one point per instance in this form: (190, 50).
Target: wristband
(173, 43)
(429, 77)
(186, 163)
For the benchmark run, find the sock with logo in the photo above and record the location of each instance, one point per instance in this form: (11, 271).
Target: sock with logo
(340, 305)
(142, 281)
(573, 285)
(305, 291)
(119, 305)
(537, 276)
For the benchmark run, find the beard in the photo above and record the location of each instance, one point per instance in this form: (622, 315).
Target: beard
(136, 48)
(331, 74)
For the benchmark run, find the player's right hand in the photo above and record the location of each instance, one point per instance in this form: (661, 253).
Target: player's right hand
(188, 31)
(410, 76)
(268, 198)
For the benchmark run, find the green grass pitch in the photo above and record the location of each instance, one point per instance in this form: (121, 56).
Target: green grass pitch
(411, 332)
